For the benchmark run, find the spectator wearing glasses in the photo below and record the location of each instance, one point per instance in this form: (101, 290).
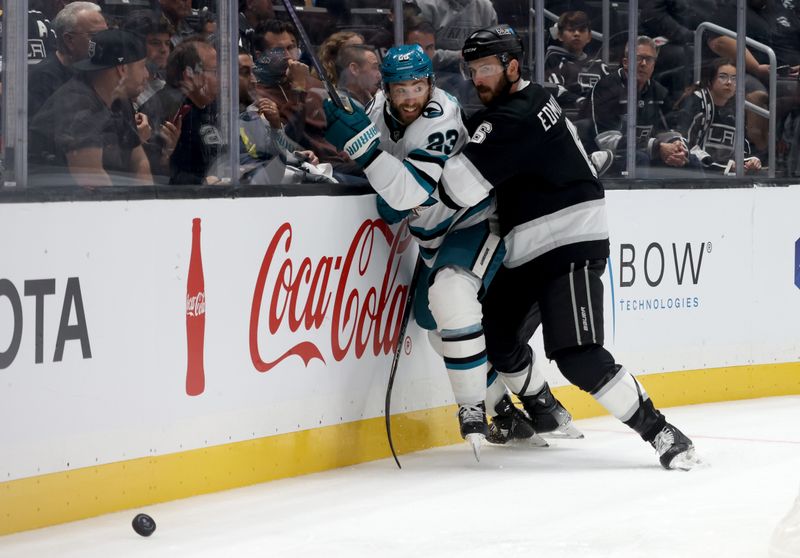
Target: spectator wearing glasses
(88, 126)
(655, 143)
(282, 78)
(707, 119)
(74, 26)
(247, 80)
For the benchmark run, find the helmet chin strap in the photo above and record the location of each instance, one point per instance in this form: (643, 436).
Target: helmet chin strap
(505, 62)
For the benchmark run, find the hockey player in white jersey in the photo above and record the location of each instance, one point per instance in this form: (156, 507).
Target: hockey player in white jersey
(414, 128)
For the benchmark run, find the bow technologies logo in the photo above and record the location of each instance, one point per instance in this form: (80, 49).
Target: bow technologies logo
(658, 277)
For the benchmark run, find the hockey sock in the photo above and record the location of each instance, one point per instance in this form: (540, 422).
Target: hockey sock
(527, 381)
(495, 390)
(453, 302)
(626, 399)
(464, 354)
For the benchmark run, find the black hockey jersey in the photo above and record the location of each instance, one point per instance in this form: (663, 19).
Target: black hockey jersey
(610, 110)
(550, 203)
(577, 74)
(709, 128)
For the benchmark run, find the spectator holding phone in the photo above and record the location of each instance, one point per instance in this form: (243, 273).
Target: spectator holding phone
(185, 115)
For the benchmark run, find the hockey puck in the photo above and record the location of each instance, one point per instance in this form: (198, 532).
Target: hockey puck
(143, 524)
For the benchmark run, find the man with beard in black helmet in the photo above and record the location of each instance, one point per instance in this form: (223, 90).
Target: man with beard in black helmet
(551, 211)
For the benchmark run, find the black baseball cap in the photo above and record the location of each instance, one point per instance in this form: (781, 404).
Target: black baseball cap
(112, 47)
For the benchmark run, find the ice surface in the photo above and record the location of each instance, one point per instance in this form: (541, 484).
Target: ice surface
(603, 496)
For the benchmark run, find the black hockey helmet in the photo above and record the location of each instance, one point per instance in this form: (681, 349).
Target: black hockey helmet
(499, 40)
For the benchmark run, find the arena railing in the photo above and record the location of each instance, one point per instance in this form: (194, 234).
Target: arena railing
(770, 114)
(15, 98)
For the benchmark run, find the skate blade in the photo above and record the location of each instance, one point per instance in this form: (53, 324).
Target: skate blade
(687, 461)
(475, 440)
(534, 441)
(567, 431)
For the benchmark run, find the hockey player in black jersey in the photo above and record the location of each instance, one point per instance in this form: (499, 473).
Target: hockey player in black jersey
(551, 210)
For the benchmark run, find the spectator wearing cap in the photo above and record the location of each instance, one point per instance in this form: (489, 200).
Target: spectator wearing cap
(156, 37)
(188, 101)
(359, 72)
(74, 26)
(88, 126)
(281, 77)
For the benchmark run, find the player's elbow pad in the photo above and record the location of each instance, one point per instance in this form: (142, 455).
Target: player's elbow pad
(390, 214)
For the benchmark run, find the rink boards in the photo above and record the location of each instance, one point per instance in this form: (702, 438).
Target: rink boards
(302, 303)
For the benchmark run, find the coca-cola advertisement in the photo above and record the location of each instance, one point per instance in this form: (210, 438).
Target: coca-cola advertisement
(195, 317)
(306, 298)
(331, 294)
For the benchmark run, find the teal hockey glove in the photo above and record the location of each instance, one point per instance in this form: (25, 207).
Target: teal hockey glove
(354, 133)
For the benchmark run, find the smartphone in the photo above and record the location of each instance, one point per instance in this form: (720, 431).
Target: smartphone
(183, 111)
(784, 70)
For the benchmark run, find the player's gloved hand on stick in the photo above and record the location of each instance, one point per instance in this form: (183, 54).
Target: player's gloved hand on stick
(354, 133)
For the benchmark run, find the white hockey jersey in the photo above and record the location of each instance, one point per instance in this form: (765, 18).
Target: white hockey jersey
(406, 175)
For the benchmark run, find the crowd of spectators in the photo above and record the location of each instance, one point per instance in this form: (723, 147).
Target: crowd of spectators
(128, 92)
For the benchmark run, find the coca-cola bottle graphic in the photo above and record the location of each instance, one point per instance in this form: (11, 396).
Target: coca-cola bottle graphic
(195, 317)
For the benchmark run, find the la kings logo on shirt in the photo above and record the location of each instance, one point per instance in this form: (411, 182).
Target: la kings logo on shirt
(210, 135)
(480, 134)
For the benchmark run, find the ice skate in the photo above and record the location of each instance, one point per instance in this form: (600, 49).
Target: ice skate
(549, 416)
(511, 425)
(472, 421)
(674, 449)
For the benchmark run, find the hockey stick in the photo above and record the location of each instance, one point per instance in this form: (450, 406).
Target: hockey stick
(412, 288)
(334, 95)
